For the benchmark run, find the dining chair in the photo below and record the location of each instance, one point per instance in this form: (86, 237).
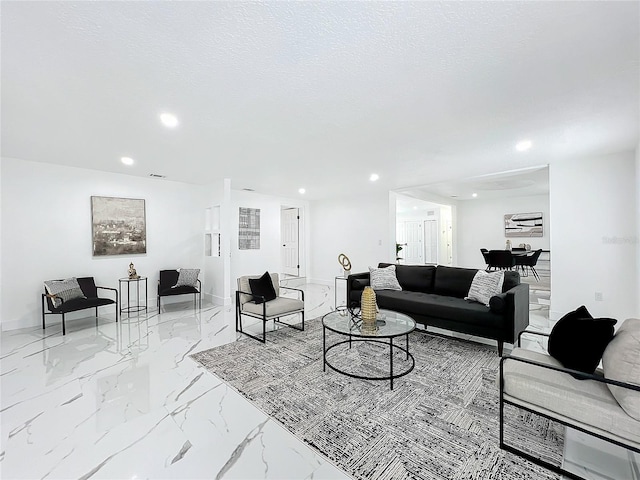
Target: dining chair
(530, 262)
(501, 260)
(485, 254)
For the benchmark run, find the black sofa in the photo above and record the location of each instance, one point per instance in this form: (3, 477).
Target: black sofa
(434, 296)
(90, 291)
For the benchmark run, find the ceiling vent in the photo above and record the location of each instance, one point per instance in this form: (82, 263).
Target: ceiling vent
(155, 175)
(248, 189)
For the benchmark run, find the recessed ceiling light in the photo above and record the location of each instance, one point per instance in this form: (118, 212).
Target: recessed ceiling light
(415, 208)
(127, 160)
(301, 191)
(169, 120)
(374, 177)
(474, 195)
(523, 145)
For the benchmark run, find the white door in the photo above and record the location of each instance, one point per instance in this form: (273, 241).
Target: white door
(431, 241)
(413, 250)
(289, 224)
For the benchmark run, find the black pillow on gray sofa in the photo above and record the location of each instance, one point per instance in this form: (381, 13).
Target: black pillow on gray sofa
(262, 286)
(578, 340)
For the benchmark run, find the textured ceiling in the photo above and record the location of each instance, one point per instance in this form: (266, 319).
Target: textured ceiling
(280, 95)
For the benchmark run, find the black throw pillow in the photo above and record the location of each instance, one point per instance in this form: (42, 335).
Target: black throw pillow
(262, 286)
(578, 340)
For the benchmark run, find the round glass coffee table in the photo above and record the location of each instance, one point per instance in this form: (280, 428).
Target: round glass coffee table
(389, 325)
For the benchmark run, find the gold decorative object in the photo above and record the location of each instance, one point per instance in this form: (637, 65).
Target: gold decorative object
(368, 310)
(132, 272)
(344, 261)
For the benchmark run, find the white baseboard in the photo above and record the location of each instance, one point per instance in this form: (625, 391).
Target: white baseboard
(217, 300)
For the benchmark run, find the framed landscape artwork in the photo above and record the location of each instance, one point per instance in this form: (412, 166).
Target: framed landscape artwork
(523, 224)
(118, 226)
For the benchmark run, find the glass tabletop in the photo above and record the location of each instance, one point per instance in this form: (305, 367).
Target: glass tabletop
(388, 323)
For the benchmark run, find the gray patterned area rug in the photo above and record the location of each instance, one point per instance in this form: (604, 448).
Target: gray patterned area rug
(439, 422)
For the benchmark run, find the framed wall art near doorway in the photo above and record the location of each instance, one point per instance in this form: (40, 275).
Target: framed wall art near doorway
(118, 226)
(523, 225)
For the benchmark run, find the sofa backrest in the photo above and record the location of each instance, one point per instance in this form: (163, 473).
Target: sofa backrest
(453, 281)
(88, 286)
(415, 278)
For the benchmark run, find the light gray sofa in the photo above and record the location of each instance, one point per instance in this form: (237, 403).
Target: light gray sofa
(538, 383)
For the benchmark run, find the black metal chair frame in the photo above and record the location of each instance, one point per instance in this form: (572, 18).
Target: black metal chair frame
(500, 265)
(263, 317)
(525, 263)
(582, 376)
(197, 296)
(46, 296)
(485, 255)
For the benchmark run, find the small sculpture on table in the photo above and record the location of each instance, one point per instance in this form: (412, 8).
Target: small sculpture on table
(132, 272)
(344, 261)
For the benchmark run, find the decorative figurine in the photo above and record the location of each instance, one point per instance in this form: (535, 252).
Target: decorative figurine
(132, 272)
(344, 261)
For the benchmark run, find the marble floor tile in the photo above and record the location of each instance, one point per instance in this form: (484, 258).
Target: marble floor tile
(124, 400)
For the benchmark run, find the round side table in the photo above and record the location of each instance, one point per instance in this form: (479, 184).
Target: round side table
(137, 307)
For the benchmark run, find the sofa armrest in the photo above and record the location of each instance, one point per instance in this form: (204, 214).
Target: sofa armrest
(517, 311)
(356, 283)
(575, 373)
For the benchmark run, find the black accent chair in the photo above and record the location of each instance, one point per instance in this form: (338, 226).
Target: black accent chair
(89, 289)
(501, 260)
(166, 288)
(527, 262)
(485, 255)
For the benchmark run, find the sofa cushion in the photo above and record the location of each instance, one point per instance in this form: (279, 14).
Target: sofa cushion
(577, 341)
(438, 306)
(274, 308)
(177, 291)
(243, 286)
(64, 290)
(484, 286)
(587, 403)
(384, 278)
(416, 278)
(262, 286)
(621, 361)
(511, 279)
(88, 286)
(453, 281)
(82, 303)
(188, 277)
(498, 303)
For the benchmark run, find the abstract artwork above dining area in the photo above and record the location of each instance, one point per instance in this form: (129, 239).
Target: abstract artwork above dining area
(523, 224)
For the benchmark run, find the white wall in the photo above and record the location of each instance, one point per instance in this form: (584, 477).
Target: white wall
(215, 273)
(481, 225)
(46, 232)
(360, 227)
(268, 257)
(637, 314)
(593, 226)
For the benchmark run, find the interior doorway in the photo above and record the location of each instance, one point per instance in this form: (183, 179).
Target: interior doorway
(423, 230)
(291, 235)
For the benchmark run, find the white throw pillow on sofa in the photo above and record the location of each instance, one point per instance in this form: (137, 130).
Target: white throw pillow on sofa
(384, 278)
(484, 286)
(621, 361)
